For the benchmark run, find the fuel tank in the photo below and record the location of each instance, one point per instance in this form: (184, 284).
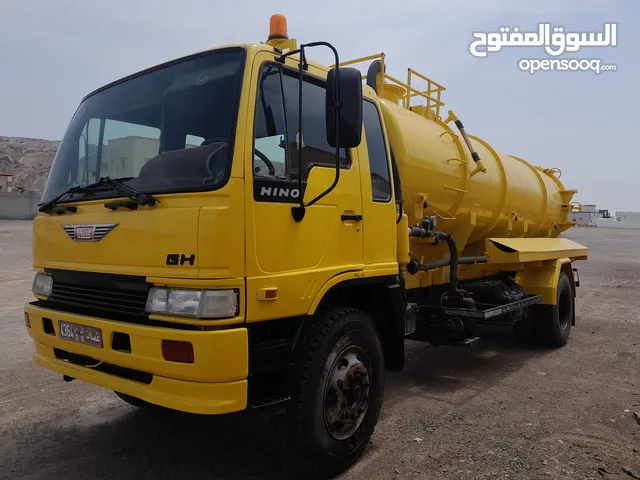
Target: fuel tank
(512, 198)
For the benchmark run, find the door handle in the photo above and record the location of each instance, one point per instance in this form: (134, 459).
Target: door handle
(354, 217)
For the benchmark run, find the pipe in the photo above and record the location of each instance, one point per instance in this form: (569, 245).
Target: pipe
(472, 260)
(414, 266)
(453, 258)
(453, 261)
(374, 69)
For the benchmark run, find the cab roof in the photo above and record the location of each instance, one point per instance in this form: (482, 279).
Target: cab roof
(252, 47)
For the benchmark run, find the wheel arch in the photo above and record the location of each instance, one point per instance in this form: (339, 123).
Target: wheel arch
(382, 299)
(543, 279)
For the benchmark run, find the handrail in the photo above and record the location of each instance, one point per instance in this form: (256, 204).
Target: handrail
(419, 75)
(432, 94)
(360, 60)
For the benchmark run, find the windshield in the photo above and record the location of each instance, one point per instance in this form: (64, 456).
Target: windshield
(167, 130)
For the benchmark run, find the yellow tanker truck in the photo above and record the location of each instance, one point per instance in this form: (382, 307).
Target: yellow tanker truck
(244, 228)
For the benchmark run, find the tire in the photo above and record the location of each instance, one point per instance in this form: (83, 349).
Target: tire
(337, 393)
(135, 401)
(553, 328)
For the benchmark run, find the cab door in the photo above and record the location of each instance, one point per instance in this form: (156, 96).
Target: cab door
(288, 262)
(379, 211)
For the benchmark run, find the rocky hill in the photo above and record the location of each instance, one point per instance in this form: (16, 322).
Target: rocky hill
(28, 160)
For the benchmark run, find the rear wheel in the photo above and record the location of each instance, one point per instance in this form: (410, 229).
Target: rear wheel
(337, 392)
(552, 330)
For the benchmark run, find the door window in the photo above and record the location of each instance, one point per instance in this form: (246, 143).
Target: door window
(378, 160)
(276, 155)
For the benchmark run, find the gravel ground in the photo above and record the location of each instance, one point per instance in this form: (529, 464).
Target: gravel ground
(493, 411)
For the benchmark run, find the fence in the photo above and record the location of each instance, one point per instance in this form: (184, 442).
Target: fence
(18, 206)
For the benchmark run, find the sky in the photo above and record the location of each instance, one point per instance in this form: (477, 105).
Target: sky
(53, 52)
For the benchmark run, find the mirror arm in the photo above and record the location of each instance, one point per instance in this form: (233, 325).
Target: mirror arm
(299, 211)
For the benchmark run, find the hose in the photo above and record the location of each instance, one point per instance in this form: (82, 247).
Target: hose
(421, 232)
(375, 68)
(423, 267)
(472, 260)
(474, 155)
(453, 261)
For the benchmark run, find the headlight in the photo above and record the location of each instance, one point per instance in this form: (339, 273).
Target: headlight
(193, 303)
(42, 284)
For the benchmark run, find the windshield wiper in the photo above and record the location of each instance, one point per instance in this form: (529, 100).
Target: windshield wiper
(102, 184)
(48, 206)
(135, 195)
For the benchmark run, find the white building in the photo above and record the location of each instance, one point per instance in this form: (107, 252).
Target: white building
(584, 219)
(627, 216)
(628, 219)
(590, 216)
(125, 156)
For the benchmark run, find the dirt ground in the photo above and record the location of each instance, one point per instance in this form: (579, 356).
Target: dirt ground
(497, 410)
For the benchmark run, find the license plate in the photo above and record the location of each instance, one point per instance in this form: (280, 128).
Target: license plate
(80, 333)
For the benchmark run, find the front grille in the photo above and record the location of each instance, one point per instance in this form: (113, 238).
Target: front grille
(99, 298)
(114, 297)
(96, 293)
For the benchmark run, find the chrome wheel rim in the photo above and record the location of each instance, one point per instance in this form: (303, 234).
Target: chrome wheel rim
(346, 392)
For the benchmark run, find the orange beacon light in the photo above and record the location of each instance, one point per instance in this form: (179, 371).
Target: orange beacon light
(278, 27)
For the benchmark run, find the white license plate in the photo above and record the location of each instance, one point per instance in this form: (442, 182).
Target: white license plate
(80, 333)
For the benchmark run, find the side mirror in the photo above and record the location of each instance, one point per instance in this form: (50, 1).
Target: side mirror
(350, 90)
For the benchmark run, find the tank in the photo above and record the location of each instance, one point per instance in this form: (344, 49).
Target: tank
(512, 198)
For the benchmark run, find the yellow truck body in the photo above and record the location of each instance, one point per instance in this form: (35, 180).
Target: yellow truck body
(176, 265)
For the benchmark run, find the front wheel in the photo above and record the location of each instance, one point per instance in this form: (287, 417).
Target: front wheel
(337, 392)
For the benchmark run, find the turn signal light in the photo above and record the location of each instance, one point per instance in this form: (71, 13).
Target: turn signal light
(27, 319)
(177, 351)
(278, 27)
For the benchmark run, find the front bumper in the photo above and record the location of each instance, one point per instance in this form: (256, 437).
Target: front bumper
(215, 383)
